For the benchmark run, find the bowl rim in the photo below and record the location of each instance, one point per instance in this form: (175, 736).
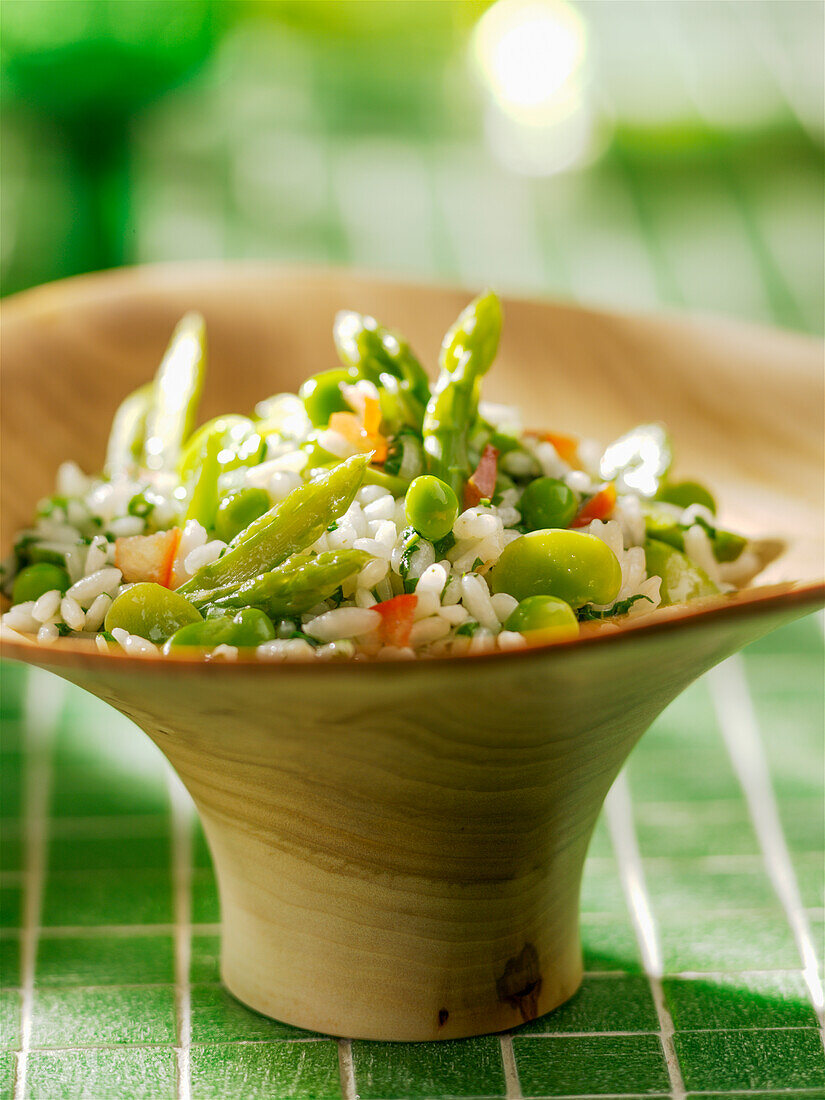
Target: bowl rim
(744, 603)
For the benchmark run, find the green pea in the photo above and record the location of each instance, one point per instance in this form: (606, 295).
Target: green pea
(31, 582)
(548, 502)
(682, 580)
(571, 565)
(250, 627)
(151, 611)
(544, 619)
(238, 510)
(431, 507)
(321, 394)
(685, 493)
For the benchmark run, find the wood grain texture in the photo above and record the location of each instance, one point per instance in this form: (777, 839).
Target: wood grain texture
(399, 847)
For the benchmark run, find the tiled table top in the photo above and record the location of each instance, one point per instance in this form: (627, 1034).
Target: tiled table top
(702, 919)
(702, 909)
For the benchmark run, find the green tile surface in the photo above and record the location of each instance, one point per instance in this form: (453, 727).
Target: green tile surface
(436, 1071)
(140, 1074)
(111, 1013)
(267, 1071)
(591, 1065)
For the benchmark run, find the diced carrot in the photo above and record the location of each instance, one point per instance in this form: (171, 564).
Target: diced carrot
(148, 557)
(372, 416)
(599, 506)
(397, 616)
(348, 425)
(567, 446)
(482, 482)
(355, 432)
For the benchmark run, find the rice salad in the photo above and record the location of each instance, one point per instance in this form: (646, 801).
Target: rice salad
(373, 515)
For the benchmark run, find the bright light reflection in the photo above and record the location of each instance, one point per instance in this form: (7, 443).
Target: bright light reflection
(529, 50)
(531, 55)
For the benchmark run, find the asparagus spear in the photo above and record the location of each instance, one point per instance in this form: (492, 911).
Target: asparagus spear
(467, 353)
(297, 585)
(382, 357)
(289, 527)
(177, 387)
(128, 430)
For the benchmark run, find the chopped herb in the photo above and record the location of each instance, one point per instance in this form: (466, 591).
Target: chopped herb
(468, 628)
(621, 607)
(443, 545)
(333, 526)
(485, 502)
(304, 638)
(63, 629)
(140, 506)
(478, 562)
(409, 584)
(411, 539)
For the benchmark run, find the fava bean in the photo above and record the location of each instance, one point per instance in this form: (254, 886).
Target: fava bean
(150, 611)
(681, 579)
(685, 493)
(250, 627)
(544, 619)
(571, 565)
(33, 581)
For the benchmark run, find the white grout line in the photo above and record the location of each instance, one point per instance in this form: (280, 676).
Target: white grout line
(43, 704)
(346, 1070)
(511, 1079)
(182, 820)
(740, 729)
(625, 843)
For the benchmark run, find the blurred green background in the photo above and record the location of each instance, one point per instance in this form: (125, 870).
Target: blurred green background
(635, 154)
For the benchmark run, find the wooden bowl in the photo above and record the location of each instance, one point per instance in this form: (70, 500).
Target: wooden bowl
(399, 846)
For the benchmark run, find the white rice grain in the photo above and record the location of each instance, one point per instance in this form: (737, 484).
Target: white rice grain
(126, 526)
(483, 641)
(395, 653)
(455, 615)
(87, 589)
(203, 555)
(432, 580)
(428, 630)
(96, 556)
(475, 595)
(72, 613)
(510, 639)
(71, 481)
(47, 634)
(381, 508)
(47, 606)
(20, 618)
(224, 652)
(699, 549)
(343, 622)
(97, 612)
(364, 598)
(140, 647)
(374, 571)
(426, 604)
(504, 605)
